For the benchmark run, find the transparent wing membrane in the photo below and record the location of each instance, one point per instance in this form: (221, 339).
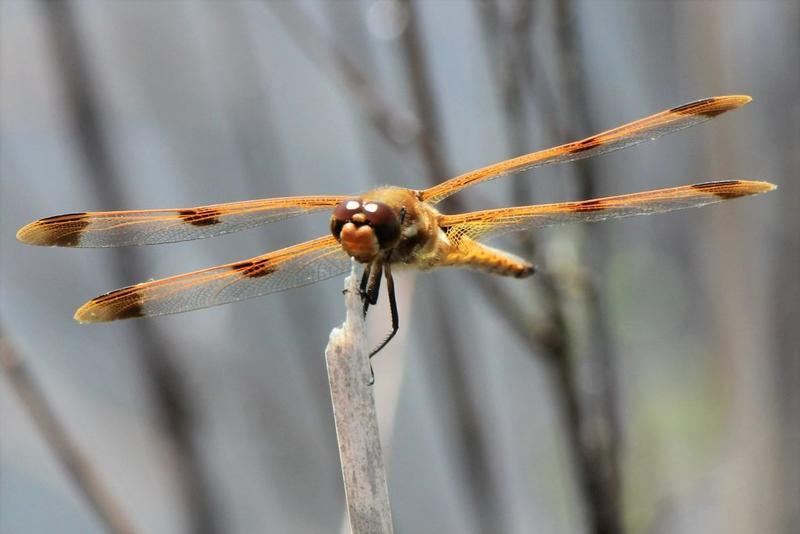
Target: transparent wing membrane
(148, 227)
(624, 136)
(290, 267)
(483, 225)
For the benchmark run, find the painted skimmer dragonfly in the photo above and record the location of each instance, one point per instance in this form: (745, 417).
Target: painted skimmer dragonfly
(384, 228)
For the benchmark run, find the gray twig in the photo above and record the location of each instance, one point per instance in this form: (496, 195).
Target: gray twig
(356, 420)
(74, 461)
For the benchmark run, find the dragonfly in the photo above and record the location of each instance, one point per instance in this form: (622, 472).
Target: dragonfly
(383, 229)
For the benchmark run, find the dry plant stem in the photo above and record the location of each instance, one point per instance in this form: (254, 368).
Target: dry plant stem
(347, 358)
(84, 118)
(71, 457)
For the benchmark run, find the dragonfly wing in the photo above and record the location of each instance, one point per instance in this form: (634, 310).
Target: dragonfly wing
(618, 138)
(148, 227)
(290, 267)
(483, 225)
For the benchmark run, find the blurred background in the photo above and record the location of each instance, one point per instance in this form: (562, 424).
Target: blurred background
(646, 380)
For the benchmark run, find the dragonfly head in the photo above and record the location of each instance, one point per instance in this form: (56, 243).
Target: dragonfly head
(365, 227)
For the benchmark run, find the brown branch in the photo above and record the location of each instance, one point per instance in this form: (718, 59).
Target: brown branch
(71, 457)
(80, 101)
(598, 428)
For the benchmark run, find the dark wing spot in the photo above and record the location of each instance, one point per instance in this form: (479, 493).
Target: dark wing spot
(254, 269)
(590, 205)
(714, 188)
(582, 146)
(130, 311)
(124, 303)
(200, 216)
(68, 231)
(695, 108)
(713, 112)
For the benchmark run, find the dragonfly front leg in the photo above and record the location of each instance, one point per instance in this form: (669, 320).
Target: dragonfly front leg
(364, 284)
(392, 306)
(371, 284)
(387, 271)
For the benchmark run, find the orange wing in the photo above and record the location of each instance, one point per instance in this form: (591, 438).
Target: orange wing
(620, 137)
(147, 227)
(482, 225)
(290, 267)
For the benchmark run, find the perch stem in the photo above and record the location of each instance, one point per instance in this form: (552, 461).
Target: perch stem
(347, 359)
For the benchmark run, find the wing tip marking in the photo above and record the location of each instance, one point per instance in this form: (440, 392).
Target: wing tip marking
(711, 107)
(734, 188)
(104, 308)
(43, 232)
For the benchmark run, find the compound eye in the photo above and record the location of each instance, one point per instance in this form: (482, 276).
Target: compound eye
(346, 209)
(384, 221)
(342, 213)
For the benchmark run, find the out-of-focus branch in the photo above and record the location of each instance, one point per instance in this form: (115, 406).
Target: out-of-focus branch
(74, 461)
(599, 431)
(347, 359)
(590, 423)
(785, 291)
(498, 43)
(483, 484)
(430, 137)
(331, 58)
(80, 102)
(550, 334)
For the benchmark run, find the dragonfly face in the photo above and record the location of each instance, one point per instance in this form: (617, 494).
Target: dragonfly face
(365, 227)
(381, 228)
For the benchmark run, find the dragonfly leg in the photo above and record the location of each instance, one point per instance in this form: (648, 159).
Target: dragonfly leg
(371, 285)
(395, 317)
(362, 288)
